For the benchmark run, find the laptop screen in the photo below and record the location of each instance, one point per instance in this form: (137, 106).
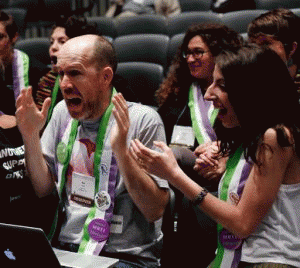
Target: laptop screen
(22, 246)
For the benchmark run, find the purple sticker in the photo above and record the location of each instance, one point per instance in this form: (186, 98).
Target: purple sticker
(98, 230)
(229, 240)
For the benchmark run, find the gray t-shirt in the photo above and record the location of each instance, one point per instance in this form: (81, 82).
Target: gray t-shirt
(134, 235)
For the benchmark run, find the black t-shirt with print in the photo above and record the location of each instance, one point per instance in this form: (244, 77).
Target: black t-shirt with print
(18, 202)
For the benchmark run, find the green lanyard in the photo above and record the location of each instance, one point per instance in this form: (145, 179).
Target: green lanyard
(53, 98)
(99, 145)
(231, 166)
(67, 152)
(25, 61)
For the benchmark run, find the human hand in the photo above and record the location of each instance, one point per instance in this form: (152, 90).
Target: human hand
(210, 164)
(202, 148)
(162, 164)
(119, 133)
(209, 147)
(29, 119)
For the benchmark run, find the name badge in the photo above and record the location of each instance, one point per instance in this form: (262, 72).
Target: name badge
(83, 188)
(183, 136)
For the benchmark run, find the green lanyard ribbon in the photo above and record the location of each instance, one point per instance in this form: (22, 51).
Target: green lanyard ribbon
(67, 152)
(231, 166)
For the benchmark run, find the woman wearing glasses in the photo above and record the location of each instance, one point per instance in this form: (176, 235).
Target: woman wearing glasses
(189, 122)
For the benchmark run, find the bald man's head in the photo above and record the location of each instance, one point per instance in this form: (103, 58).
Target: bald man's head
(97, 49)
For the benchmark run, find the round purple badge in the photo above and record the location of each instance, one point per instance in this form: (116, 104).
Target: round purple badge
(98, 230)
(229, 240)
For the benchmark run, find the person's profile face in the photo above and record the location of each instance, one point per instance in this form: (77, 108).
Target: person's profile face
(57, 39)
(199, 59)
(6, 45)
(217, 94)
(272, 43)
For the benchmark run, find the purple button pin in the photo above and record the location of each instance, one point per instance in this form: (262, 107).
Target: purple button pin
(98, 230)
(229, 240)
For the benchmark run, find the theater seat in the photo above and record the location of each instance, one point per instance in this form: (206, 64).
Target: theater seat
(239, 20)
(174, 44)
(180, 23)
(142, 78)
(195, 5)
(37, 47)
(142, 47)
(272, 4)
(104, 25)
(142, 24)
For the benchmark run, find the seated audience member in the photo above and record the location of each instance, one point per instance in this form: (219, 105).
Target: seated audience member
(19, 203)
(64, 29)
(259, 194)
(114, 209)
(19, 69)
(189, 121)
(278, 29)
(224, 6)
(124, 8)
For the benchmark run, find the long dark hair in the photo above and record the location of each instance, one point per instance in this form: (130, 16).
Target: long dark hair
(262, 94)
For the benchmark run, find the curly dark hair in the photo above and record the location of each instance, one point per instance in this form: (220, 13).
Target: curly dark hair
(75, 25)
(9, 23)
(217, 37)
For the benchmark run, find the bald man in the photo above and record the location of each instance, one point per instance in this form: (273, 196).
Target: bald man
(112, 207)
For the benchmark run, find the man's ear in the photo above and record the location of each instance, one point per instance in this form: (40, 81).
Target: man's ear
(14, 39)
(294, 48)
(107, 74)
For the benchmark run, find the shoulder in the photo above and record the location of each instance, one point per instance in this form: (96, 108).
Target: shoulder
(145, 123)
(273, 135)
(270, 149)
(270, 137)
(139, 112)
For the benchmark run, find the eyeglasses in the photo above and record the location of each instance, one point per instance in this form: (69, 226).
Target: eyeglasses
(2, 36)
(197, 54)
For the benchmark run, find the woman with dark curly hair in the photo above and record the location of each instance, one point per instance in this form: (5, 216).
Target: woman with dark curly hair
(190, 121)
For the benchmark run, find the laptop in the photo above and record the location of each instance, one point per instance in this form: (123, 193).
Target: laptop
(22, 246)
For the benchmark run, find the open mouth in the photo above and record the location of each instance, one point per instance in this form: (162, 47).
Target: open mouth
(73, 102)
(54, 60)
